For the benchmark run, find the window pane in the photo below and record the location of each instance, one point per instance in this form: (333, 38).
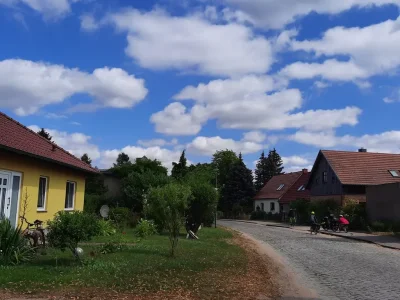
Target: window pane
(4, 181)
(2, 202)
(69, 196)
(42, 192)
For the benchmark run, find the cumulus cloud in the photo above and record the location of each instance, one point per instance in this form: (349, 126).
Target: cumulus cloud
(50, 9)
(272, 14)
(157, 142)
(388, 142)
(89, 23)
(209, 145)
(75, 143)
(296, 163)
(193, 43)
(254, 136)
(248, 104)
(26, 86)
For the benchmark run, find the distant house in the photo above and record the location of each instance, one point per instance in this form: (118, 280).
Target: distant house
(342, 175)
(112, 183)
(383, 202)
(52, 178)
(276, 196)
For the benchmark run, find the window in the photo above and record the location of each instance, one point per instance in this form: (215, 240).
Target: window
(272, 206)
(325, 177)
(41, 204)
(70, 195)
(262, 206)
(394, 173)
(301, 188)
(280, 187)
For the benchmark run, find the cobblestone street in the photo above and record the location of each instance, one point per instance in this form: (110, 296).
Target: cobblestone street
(335, 268)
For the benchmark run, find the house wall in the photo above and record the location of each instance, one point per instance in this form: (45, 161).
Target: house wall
(331, 187)
(58, 176)
(337, 198)
(267, 205)
(383, 202)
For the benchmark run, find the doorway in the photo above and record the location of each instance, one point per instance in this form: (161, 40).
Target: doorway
(10, 185)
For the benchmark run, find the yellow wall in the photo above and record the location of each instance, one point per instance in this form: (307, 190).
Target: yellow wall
(57, 175)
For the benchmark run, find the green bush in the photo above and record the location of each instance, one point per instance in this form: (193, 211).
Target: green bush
(145, 228)
(106, 228)
(378, 226)
(68, 229)
(356, 213)
(14, 248)
(258, 215)
(111, 247)
(120, 216)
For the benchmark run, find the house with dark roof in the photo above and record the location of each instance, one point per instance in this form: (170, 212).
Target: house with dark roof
(342, 175)
(37, 174)
(277, 194)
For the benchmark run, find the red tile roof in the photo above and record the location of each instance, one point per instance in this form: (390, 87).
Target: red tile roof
(293, 193)
(269, 191)
(16, 137)
(363, 168)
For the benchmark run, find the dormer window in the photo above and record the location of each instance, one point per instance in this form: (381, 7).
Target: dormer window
(394, 173)
(301, 188)
(280, 187)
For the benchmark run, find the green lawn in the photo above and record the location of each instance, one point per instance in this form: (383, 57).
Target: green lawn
(142, 265)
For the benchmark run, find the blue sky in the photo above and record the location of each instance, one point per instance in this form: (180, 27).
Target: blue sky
(155, 77)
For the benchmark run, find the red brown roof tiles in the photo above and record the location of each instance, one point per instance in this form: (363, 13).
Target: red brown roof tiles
(16, 137)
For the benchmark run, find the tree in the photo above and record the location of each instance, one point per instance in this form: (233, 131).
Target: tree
(167, 205)
(205, 173)
(274, 164)
(180, 169)
(44, 134)
(85, 158)
(223, 160)
(238, 189)
(261, 172)
(122, 159)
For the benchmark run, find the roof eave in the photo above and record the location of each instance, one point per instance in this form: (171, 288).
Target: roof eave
(93, 171)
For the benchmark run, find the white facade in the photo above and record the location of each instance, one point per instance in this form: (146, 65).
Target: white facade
(267, 205)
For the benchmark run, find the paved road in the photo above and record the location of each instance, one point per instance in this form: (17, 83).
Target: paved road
(335, 268)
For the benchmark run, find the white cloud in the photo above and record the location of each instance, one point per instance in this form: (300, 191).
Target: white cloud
(209, 145)
(388, 141)
(75, 143)
(55, 116)
(321, 84)
(50, 9)
(157, 40)
(244, 104)
(167, 157)
(394, 97)
(275, 14)
(76, 123)
(89, 23)
(157, 142)
(26, 86)
(254, 136)
(296, 163)
(370, 51)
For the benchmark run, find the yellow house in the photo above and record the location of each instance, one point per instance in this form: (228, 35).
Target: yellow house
(37, 176)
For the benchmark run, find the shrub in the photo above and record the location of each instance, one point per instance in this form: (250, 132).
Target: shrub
(120, 216)
(258, 215)
(14, 248)
(145, 228)
(378, 226)
(70, 228)
(106, 228)
(356, 214)
(168, 205)
(111, 247)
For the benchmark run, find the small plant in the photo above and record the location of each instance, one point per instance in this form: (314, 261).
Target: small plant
(106, 228)
(120, 216)
(111, 247)
(14, 248)
(70, 228)
(145, 228)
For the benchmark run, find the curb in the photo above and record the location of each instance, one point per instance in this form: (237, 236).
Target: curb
(321, 232)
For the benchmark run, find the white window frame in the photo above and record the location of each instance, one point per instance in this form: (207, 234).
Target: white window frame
(394, 173)
(280, 187)
(43, 208)
(301, 188)
(73, 197)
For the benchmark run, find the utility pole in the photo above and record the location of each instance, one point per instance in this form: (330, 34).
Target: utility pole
(216, 204)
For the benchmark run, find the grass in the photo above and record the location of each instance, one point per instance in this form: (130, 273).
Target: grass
(141, 267)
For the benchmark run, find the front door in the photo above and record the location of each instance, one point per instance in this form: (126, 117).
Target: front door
(5, 195)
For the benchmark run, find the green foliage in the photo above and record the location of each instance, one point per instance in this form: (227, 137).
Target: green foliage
(205, 173)
(180, 169)
(258, 215)
(85, 158)
(386, 226)
(238, 189)
(68, 229)
(145, 228)
(378, 226)
(302, 207)
(261, 172)
(14, 248)
(356, 213)
(111, 247)
(120, 216)
(223, 160)
(168, 205)
(122, 159)
(93, 203)
(273, 165)
(106, 228)
(42, 132)
(324, 208)
(94, 185)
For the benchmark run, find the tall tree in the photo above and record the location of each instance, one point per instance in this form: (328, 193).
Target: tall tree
(180, 169)
(223, 160)
(238, 190)
(122, 159)
(85, 158)
(274, 164)
(44, 134)
(261, 172)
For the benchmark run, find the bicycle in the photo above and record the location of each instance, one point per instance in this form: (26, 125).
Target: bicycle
(36, 235)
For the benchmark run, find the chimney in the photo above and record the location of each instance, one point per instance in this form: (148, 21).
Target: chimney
(363, 150)
(305, 171)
